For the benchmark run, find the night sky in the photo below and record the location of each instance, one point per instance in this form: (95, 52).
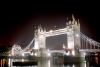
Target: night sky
(19, 19)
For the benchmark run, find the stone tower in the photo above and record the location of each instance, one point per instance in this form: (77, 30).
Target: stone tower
(73, 39)
(39, 43)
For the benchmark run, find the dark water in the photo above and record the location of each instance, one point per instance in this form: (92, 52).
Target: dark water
(93, 62)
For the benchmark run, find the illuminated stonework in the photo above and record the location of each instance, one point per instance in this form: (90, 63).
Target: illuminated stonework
(72, 27)
(72, 30)
(16, 49)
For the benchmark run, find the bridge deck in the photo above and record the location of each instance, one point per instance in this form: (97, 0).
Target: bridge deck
(89, 50)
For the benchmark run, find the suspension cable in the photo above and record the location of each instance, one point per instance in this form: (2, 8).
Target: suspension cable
(89, 40)
(29, 44)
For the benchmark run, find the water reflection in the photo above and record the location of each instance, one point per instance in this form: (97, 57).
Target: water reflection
(7, 62)
(3, 62)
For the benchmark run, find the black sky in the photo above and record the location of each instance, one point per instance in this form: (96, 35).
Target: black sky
(18, 19)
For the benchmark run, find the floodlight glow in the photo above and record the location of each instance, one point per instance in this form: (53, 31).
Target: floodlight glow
(70, 29)
(73, 65)
(85, 64)
(36, 45)
(47, 49)
(77, 35)
(70, 45)
(68, 53)
(9, 61)
(48, 54)
(32, 53)
(49, 63)
(84, 53)
(73, 52)
(63, 46)
(35, 54)
(50, 31)
(22, 60)
(9, 54)
(23, 54)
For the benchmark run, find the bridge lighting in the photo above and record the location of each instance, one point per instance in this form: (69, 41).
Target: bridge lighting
(73, 65)
(68, 53)
(70, 29)
(47, 49)
(9, 54)
(23, 54)
(51, 31)
(48, 54)
(71, 45)
(35, 46)
(22, 60)
(84, 53)
(73, 52)
(63, 46)
(96, 54)
(32, 53)
(35, 54)
(49, 64)
(77, 35)
(9, 62)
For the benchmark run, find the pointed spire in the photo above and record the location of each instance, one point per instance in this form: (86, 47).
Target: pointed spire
(73, 17)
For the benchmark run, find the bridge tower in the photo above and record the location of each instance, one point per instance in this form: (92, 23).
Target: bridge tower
(39, 43)
(73, 39)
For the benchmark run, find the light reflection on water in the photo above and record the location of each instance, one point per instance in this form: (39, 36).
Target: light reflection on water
(44, 63)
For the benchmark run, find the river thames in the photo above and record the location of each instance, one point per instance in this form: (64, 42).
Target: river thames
(7, 62)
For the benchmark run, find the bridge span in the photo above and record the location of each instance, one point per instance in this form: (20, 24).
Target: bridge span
(76, 41)
(89, 50)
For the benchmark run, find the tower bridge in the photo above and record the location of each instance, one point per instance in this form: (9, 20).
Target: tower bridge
(77, 42)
